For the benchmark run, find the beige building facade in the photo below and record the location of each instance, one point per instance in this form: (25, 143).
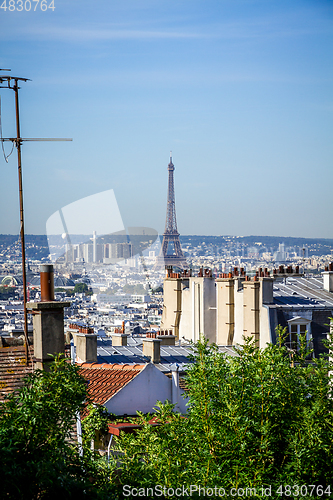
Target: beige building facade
(234, 306)
(223, 309)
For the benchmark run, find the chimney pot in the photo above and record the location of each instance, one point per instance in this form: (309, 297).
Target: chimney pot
(46, 283)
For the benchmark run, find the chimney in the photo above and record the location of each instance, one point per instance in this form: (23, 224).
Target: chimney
(251, 302)
(86, 347)
(225, 317)
(266, 294)
(166, 339)
(119, 339)
(48, 321)
(328, 278)
(152, 349)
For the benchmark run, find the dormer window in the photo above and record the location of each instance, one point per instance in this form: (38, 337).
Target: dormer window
(298, 326)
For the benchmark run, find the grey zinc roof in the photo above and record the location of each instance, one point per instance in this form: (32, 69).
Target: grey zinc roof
(59, 281)
(303, 293)
(132, 353)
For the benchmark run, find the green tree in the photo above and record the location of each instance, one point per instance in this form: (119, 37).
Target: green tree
(95, 423)
(39, 456)
(7, 291)
(81, 288)
(254, 420)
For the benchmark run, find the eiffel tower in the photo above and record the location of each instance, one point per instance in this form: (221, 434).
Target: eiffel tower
(171, 253)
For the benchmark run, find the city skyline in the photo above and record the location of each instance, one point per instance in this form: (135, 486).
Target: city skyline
(241, 92)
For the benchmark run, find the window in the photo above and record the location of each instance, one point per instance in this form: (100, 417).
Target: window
(298, 326)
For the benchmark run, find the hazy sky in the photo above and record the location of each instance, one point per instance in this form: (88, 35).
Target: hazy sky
(241, 91)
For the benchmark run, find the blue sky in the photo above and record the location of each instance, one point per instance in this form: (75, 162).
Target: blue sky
(239, 90)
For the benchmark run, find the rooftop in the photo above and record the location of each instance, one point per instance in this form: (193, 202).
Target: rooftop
(301, 293)
(105, 380)
(13, 369)
(132, 353)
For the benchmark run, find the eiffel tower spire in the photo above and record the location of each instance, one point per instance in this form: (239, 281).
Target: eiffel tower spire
(171, 253)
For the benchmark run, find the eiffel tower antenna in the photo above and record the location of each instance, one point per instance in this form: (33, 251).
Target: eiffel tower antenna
(12, 82)
(171, 253)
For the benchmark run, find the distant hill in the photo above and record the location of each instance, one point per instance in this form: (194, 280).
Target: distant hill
(251, 240)
(315, 246)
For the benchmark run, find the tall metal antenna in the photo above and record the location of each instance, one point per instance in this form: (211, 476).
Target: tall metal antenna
(11, 82)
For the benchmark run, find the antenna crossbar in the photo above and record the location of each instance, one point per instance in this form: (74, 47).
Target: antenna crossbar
(15, 139)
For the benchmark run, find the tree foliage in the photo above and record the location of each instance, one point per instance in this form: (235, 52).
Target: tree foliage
(254, 420)
(7, 291)
(39, 456)
(81, 288)
(95, 422)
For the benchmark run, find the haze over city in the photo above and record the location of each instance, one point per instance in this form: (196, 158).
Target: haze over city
(240, 91)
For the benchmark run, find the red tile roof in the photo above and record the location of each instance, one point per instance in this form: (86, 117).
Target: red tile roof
(128, 427)
(106, 380)
(13, 369)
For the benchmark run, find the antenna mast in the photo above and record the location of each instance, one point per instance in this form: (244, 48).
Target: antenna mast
(11, 82)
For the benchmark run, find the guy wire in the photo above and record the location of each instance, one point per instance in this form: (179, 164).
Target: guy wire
(2, 141)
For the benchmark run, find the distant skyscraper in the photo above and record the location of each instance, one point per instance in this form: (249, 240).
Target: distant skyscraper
(171, 253)
(94, 247)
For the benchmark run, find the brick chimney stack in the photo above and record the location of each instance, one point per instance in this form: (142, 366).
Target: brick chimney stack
(48, 321)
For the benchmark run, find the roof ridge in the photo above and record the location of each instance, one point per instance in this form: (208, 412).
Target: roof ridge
(114, 366)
